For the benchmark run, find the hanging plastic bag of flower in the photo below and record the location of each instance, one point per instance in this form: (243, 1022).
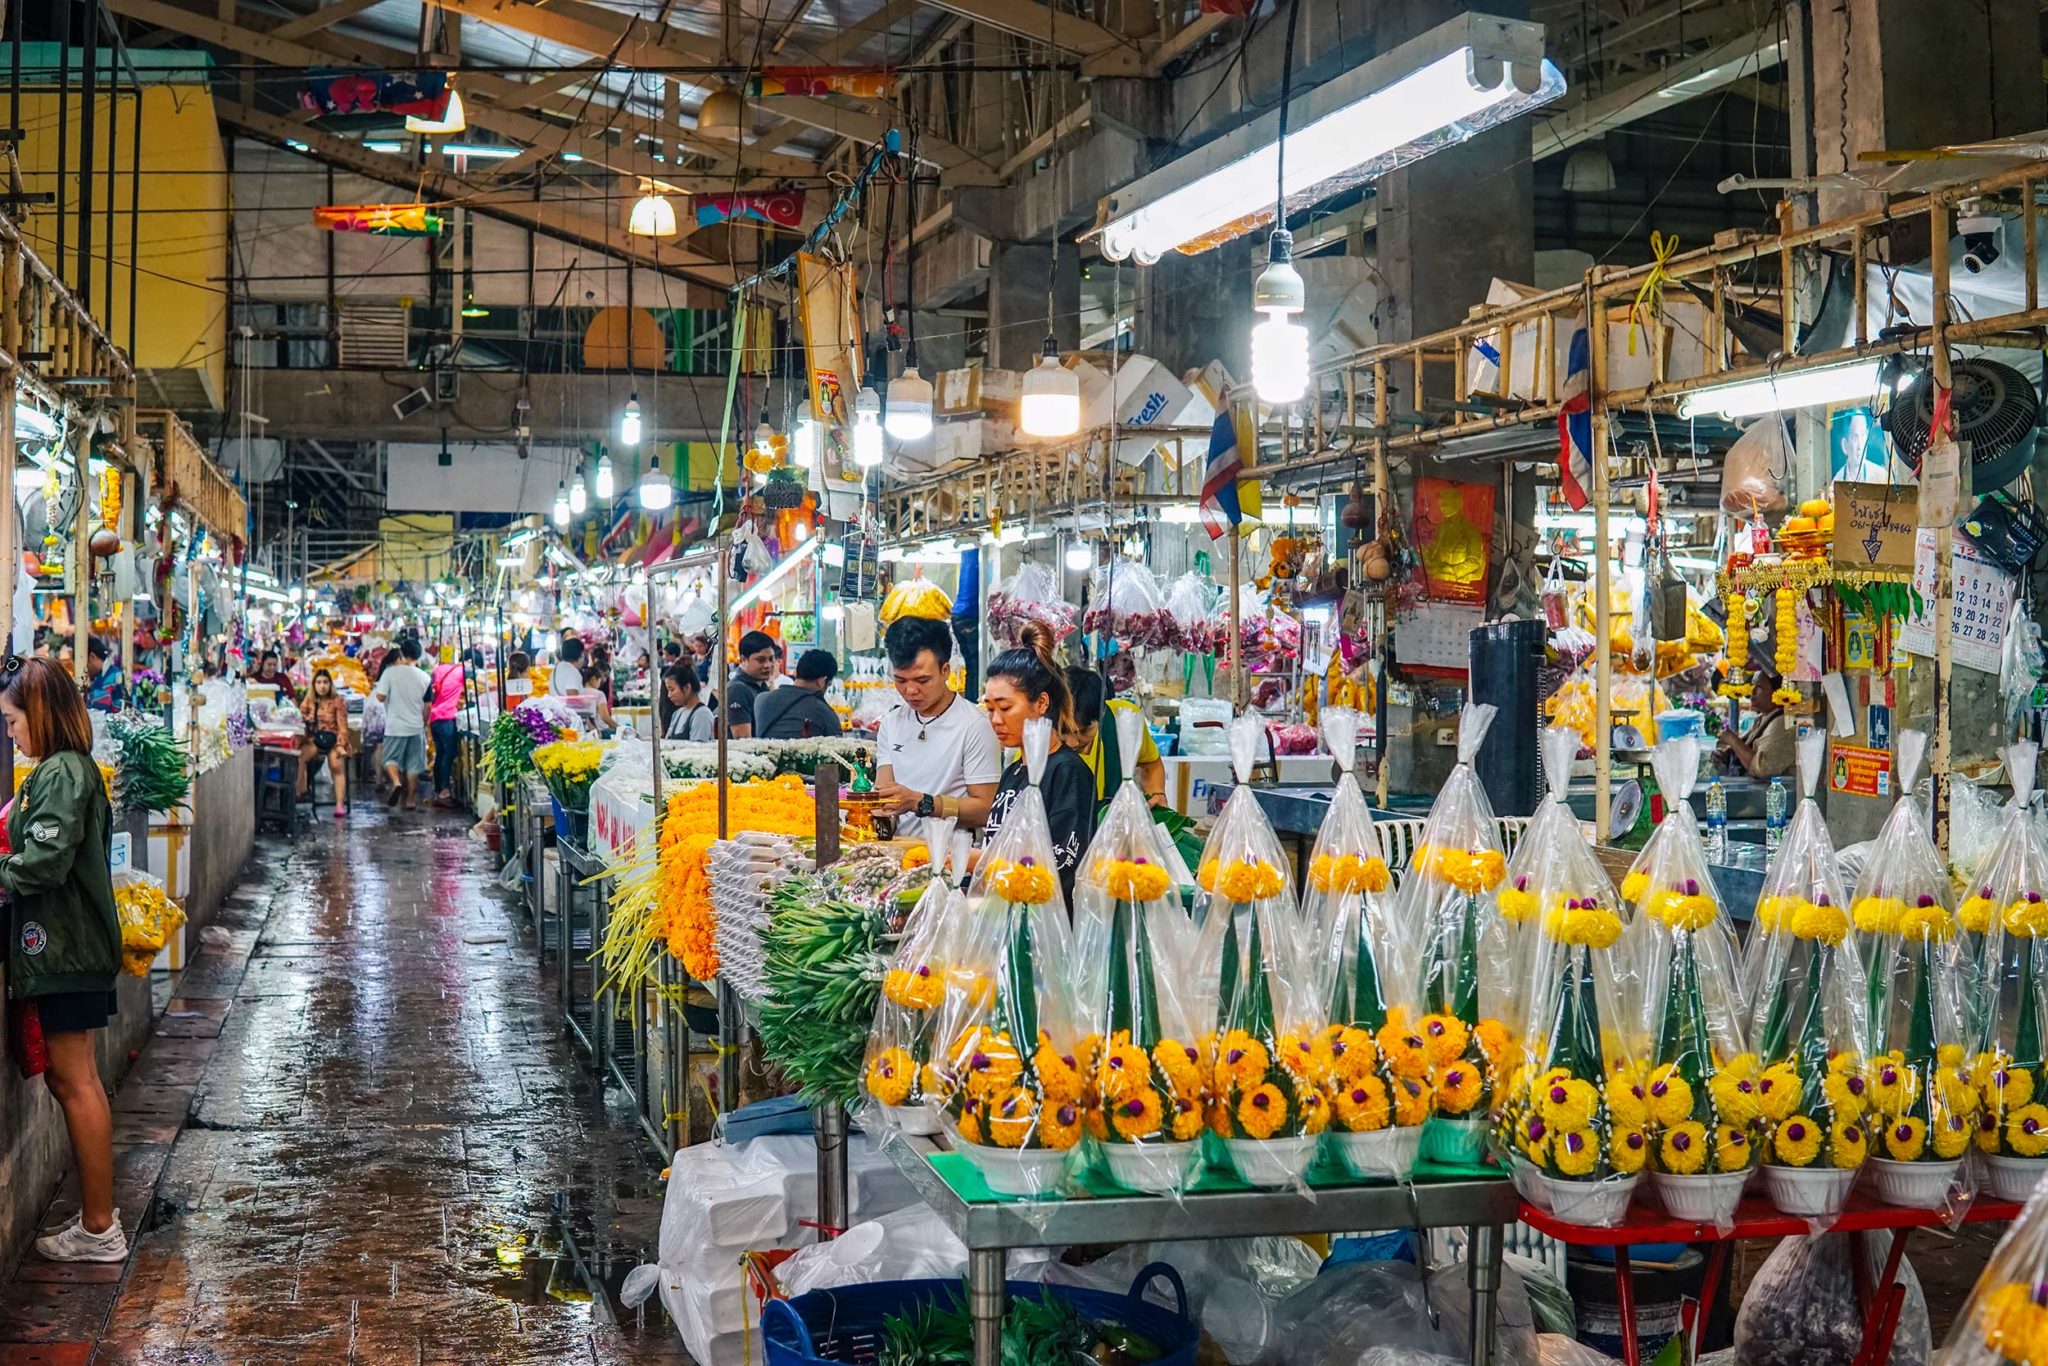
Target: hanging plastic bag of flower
(1570, 1150)
(1149, 997)
(2004, 1322)
(148, 920)
(2003, 919)
(1697, 1105)
(917, 596)
(1466, 963)
(1810, 1017)
(1923, 1107)
(1372, 1056)
(1268, 1101)
(1010, 1022)
(897, 1072)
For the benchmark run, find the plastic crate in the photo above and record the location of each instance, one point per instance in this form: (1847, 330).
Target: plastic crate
(843, 1326)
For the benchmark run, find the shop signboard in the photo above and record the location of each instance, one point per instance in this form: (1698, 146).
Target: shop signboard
(1860, 771)
(1874, 526)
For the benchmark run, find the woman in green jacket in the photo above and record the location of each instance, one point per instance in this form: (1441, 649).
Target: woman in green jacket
(64, 945)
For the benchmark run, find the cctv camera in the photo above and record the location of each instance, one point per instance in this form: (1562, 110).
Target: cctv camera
(1980, 241)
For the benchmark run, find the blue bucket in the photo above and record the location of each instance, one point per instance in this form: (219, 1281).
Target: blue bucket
(843, 1326)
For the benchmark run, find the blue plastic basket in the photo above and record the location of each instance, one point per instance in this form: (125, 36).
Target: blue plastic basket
(843, 1327)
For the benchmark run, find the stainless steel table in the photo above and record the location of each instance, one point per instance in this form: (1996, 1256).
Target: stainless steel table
(991, 1228)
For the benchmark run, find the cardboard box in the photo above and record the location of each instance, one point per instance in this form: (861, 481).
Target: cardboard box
(999, 387)
(957, 392)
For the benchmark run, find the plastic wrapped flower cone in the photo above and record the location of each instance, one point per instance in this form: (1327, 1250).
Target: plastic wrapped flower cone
(1697, 1104)
(2007, 914)
(1371, 1056)
(1570, 1152)
(1267, 1101)
(1467, 966)
(1923, 1107)
(1810, 1018)
(897, 1072)
(2004, 1322)
(1010, 1021)
(1148, 998)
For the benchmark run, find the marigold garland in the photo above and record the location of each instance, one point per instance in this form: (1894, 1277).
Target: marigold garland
(1133, 879)
(1023, 883)
(1341, 873)
(776, 806)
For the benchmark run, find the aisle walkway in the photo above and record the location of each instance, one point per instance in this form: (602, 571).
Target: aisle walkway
(358, 1137)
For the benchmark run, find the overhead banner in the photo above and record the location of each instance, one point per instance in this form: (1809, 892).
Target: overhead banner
(385, 220)
(417, 94)
(778, 208)
(862, 82)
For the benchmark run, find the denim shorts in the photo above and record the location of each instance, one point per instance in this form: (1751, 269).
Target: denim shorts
(406, 753)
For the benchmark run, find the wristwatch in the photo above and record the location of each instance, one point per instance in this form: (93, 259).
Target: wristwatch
(926, 805)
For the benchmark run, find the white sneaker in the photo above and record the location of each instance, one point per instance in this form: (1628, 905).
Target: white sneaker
(73, 1244)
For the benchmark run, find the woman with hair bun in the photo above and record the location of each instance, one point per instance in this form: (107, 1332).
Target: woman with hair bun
(1024, 683)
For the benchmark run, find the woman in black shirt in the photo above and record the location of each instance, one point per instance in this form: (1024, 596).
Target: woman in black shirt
(1024, 684)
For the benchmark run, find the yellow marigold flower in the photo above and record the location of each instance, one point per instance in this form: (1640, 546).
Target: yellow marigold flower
(1777, 1091)
(1515, 904)
(1974, 914)
(1012, 1117)
(1775, 913)
(1533, 1137)
(1670, 1095)
(970, 1124)
(2027, 916)
(1949, 1055)
(1491, 865)
(1929, 921)
(1878, 914)
(1374, 877)
(1444, 1036)
(1849, 1095)
(1125, 1069)
(1796, 1142)
(1404, 1048)
(1732, 1148)
(2026, 1132)
(1094, 1124)
(1575, 1151)
(1297, 1053)
(1630, 1146)
(1893, 1087)
(1905, 1139)
(1493, 1040)
(1955, 1088)
(1735, 1098)
(1241, 1062)
(917, 988)
(1568, 1103)
(1951, 1136)
(1741, 1065)
(1628, 1104)
(1634, 885)
(1821, 922)
(1247, 880)
(1458, 1088)
(1364, 1105)
(1847, 1145)
(1023, 883)
(1684, 906)
(1412, 1101)
(1180, 1064)
(1059, 1074)
(1059, 1125)
(975, 990)
(1346, 1054)
(1341, 873)
(890, 1075)
(2014, 1325)
(1205, 876)
(1135, 1114)
(1684, 1149)
(1135, 880)
(991, 1068)
(1582, 921)
(1187, 1119)
(1262, 1111)
(1314, 1108)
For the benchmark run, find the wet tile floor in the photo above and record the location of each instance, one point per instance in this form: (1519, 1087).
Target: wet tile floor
(358, 1135)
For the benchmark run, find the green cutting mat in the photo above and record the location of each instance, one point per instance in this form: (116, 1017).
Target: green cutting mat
(960, 1174)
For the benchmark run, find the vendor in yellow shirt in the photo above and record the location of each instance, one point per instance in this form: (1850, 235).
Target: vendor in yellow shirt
(1091, 739)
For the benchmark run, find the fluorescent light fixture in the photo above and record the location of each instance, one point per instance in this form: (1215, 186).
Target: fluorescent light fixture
(909, 415)
(479, 153)
(629, 422)
(561, 508)
(803, 445)
(511, 561)
(296, 145)
(579, 496)
(451, 120)
(1080, 555)
(392, 148)
(656, 493)
(1279, 345)
(1434, 91)
(33, 422)
(572, 156)
(605, 485)
(867, 428)
(759, 588)
(1050, 405)
(1783, 391)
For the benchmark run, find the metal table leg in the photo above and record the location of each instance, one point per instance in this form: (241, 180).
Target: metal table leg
(1482, 1250)
(829, 1130)
(1625, 1305)
(987, 1269)
(602, 1008)
(565, 891)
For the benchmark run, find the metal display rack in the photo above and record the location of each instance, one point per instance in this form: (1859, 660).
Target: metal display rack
(990, 1229)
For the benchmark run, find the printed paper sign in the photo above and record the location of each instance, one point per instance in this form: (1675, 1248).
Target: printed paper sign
(1860, 772)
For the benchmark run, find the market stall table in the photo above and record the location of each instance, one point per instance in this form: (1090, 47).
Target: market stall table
(1219, 1206)
(1758, 1218)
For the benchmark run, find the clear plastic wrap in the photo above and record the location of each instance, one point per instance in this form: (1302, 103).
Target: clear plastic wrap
(2005, 1319)
(1379, 1097)
(917, 596)
(1008, 1071)
(1191, 600)
(897, 1072)
(1805, 1309)
(1267, 1106)
(1030, 595)
(1465, 963)
(2003, 920)
(1126, 603)
(1558, 1131)
(1923, 1109)
(1811, 1019)
(1697, 1103)
(1148, 996)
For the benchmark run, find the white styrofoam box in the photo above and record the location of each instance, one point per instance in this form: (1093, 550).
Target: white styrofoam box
(1001, 386)
(732, 1198)
(170, 858)
(1212, 383)
(1142, 393)
(956, 441)
(875, 1186)
(1520, 347)
(550, 870)
(708, 1346)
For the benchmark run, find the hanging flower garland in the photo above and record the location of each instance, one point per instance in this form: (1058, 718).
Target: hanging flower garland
(1787, 656)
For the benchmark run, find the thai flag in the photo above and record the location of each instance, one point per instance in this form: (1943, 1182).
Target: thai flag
(1575, 419)
(1220, 508)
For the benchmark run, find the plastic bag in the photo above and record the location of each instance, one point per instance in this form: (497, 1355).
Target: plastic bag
(1030, 595)
(1466, 963)
(1923, 1107)
(1810, 1016)
(2020, 661)
(148, 920)
(897, 1071)
(1359, 1312)
(1803, 1308)
(2004, 1321)
(1010, 1071)
(1379, 1095)
(1754, 467)
(2003, 921)
(1191, 600)
(1145, 990)
(1570, 1149)
(1126, 604)
(1268, 1104)
(917, 597)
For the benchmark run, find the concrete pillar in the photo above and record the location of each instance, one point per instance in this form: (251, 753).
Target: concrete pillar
(941, 341)
(1195, 309)
(1017, 278)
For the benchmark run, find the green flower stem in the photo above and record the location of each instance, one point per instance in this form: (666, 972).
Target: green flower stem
(1119, 971)
(1369, 1004)
(1147, 1032)
(1226, 1000)
(2026, 1045)
(1813, 1039)
(1020, 991)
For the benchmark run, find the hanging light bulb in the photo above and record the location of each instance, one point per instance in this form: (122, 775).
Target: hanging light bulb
(451, 120)
(1080, 555)
(652, 215)
(764, 439)
(1279, 344)
(561, 504)
(655, 491)
(1052, 396)
(605, 487)
(803, 445)
(910, 405)
(629, 422)
(579, 497)
(867, 428)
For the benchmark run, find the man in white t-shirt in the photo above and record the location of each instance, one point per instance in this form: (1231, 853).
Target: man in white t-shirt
(936, 755)
(403, 690)
(567, 679)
